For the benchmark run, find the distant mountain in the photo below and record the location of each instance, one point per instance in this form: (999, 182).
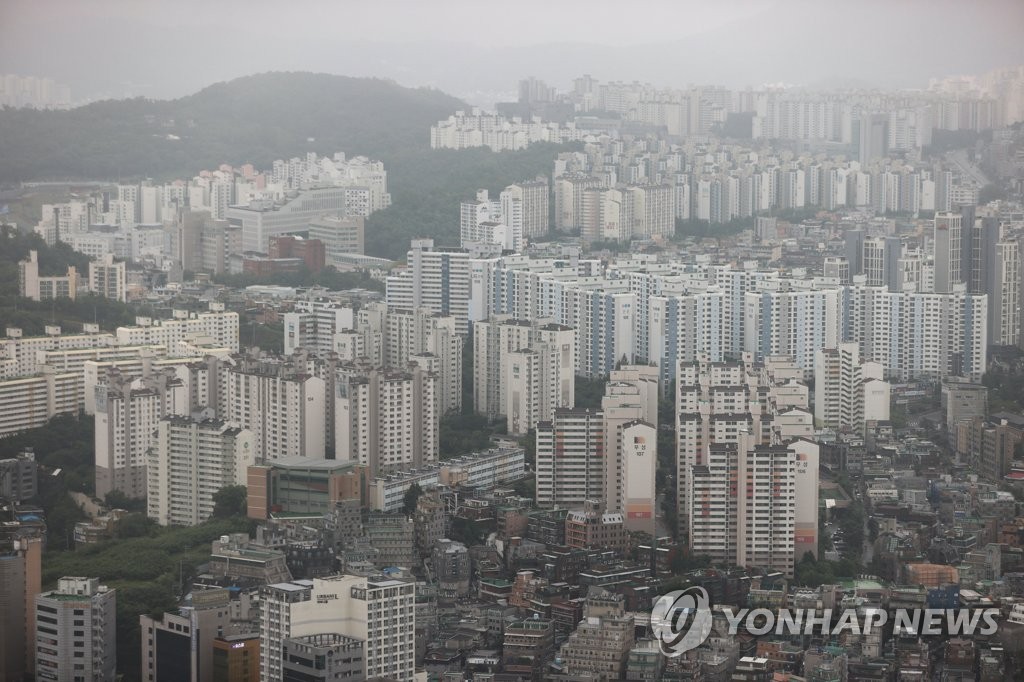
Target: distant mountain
(255, 119)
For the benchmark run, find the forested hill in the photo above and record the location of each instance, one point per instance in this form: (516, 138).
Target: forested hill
(255, 119)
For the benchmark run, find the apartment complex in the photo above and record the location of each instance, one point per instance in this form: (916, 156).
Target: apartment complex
(742, 505)
(435, 278)
(127, 417)
(522, 370)
(45, 288)
(386, 420)
(190, 460)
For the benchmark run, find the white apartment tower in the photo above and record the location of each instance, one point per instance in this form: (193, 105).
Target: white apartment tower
(76, 628)
(743, 505)
(191, 460)
(608, 454)
(539, 379)
(525, 206)
(522, 370)
(285, 410)
(1004, 295)
(846, 394)
(215, 328)
(570, 458)
(127, 415)
(108, 279)
(436, 279)
(719, 403)
(630, 409)
(427, 339)
(386, 419)
(379, 612)
(484, 221)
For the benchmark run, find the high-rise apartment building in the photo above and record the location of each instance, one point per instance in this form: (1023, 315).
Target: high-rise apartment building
(436, 279)
(854, 250)
(608, 455)
(484, 222)
(284, 407)
(76, 631)
(881, 255)
(380, 613)
(848, 392)
(214, 328)
(873, 137)
(538, 379)
(570, 196)
(837, 268)
(525, 206)
(920, 335)
(793, 323)
(630, 409)
(390, 337)
(570, 458)
(108, 279)
(1004, 295)
(522, 370)
(386, 419)
(189, 462)
(128, 413)
(313, 323)
(718, 403)
(743, 505)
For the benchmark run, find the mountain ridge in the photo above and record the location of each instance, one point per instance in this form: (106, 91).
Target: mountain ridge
(253, 119)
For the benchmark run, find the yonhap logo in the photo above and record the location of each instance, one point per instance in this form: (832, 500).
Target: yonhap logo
(681, 620)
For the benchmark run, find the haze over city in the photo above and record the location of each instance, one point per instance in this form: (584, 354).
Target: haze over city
(478, 50)
(466, 341)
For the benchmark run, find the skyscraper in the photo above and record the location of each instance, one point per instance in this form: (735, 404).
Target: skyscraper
(570, 458)
(841, 395)
(525, 206)
(1004, 295)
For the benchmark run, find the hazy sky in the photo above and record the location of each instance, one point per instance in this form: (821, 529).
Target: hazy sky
(479, 49)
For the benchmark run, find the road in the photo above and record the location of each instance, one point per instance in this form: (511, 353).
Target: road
(959, 157)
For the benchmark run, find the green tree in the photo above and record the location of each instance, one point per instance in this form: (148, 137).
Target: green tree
(135, 526)
(589, 392)
(116, 499)
(412, 496)
(230, 501)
